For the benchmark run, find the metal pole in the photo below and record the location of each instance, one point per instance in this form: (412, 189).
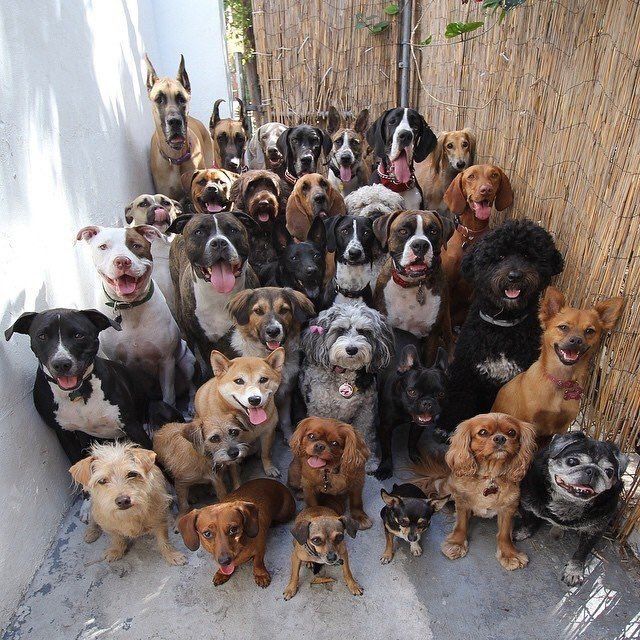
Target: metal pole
(405, 64)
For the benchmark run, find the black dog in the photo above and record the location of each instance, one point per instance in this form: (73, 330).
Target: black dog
(410, 394)
(356, 250)
(574, 483)
(83, 398)
(508, 269)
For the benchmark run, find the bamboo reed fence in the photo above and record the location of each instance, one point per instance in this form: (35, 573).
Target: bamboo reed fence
(551, 94)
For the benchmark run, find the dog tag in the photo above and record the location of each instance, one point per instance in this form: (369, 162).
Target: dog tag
(420, 296)
(345, 390)
(492, 487)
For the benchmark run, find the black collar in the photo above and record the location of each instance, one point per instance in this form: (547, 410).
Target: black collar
(76, 393)
(502, 323)
(363, 293)
(118, 305)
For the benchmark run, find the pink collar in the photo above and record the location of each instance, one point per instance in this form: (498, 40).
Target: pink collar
(572, 390)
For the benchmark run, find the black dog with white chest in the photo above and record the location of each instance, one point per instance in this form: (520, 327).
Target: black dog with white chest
(83, 398)
(574, 484)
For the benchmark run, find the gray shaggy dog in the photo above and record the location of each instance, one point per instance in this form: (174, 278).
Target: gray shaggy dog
(344, 348)
(373, 201)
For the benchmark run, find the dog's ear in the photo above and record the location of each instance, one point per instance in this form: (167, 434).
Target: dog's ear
(317, 234)
(276, 359)
(182, 76)
(621, 458)
(390, 500)
(426, 142)
(376, 135)
(219, 363)
(521, 461)
(330, 227)
(504, 197)
(409, 358)
(247, 221)
(442, 360)
(438, 502)
(355, 453)
(350, 525)
(149, 232)
(152, 76)
(336, 207)
(177, 226)
(439, 152)
(192, 431)
(334, 121)
(300, 532)
(81, 471)
(362, 122)
(240, 306)
(281, 236)
(454, 196)
(295, 442)
(325, 140)
(241, 114)
(145, 458)
(303, 308)
(609, 311)
(459, 457)
(188, 531)
(128, 218)
(297, 216)
(552, 303)
(88, 233)
(471, 139)
(250, 514)
(382, 227)
(448, 227)
(284, 148)
(384, 344)
(100, 321)
(21, 325)
(561, 441)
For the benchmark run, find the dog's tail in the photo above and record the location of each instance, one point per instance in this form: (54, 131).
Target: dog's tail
(431, 475)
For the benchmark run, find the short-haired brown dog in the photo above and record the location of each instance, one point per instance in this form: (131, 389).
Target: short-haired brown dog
(318, 538)
(328, 460)
(235, 530)
(229, 137)
(548, 393)
(129, 498)
(211, 190)
(200, 452)
(246, 387)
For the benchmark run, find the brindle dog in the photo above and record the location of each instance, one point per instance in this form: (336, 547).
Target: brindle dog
(229, 138)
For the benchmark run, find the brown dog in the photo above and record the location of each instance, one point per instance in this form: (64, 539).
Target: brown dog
(235, 530)
(180, 144)
(211, 190)
(229, 138)
(312, 196)
(470, 198)
(329, 459)
(318, 538)
(548, 393)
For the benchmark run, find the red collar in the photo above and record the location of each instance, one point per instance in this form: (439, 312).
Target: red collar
(468, 235)
(572, 390)
(182, 159)
(389, 181)
(406, 284)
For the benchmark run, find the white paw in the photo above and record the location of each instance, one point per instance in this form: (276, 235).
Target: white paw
(416, 549)
(573, 574)
(372, 465)
(85, 510)
(385, 559)
(272, 472)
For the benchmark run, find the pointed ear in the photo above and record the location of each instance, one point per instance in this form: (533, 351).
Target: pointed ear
(471, 139)
(100, 321)
(81, 471)
(215, 115)
(334, 120)
(442, 360)
(317, 234)
(21, 325)
(504, 197)
(408, 358)
(188, 531)
(300, 531)
(177, 226)
(438, 502)
(241, 112)
(552, 303)
(145, 458)
(87, 233)
(281, 236)
(149, 232)
(609, 312)
(454, 196)
(182, 76)
(276, 359)
(390, 500)
(219, 363)
(152, 76)
(426, 141)
(250, 514)
(240, 306)
(350, 525)
(362, 122)
(382, 226)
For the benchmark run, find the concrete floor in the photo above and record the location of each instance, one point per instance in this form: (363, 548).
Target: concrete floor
(76, 595)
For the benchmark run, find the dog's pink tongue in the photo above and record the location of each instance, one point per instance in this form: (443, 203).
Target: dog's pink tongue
(512, 293)
(228, 570)
(161, 215)
(263, 217)
(482, 210)
(316, 463)
(222, 277)
(125, 285)
(401, 168)
(257, 415)
(272, 345)
(345, 173)
(67, 382)
(213, 208)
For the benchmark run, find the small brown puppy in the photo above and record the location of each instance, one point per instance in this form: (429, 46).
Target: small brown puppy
(229, 138)
(129, 498)
(318, 534)
(329, 459)
(548, 393)
(312, 196)
(235, 530)
(202, 451)
(211, 190)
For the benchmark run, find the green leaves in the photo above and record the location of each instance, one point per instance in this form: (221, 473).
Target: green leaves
(427, 40)
(372, 23)
(379, 27)
(392, 9)
(459, 28)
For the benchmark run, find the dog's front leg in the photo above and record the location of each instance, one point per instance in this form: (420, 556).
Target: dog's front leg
(309, 495)
(235, 475)
(283, 403)
(117, 548)
(266, 443)
(455, 545)
(93, 530)
(170, 554)
(387, 556)
(356, 507)
(508, 556)
(167, 373)
(217, 480)
(187, 367)
(365, 423)
(260, 573)
(294, 581)
(352, 585)
(573, 573)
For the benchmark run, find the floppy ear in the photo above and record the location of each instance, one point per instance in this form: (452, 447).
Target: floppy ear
(281, 236)
(250, 514)
(300, 531)
(240, 306)
(152, 76)
(609, 311)
(376, 136)
(350, 525)
(193, 177)
(192, 432)
(87, 233)
(454, 196)
(561, 441)
(128, 218)
(295, 442)
(219, 363)
(182, 76)
(283, 146)
(356, 452)
(330, 227)
(426, 142)
(438, 154)
(81, 471)
(448, 227)
(337, 207)
(100, 321)
(21, 325)
(146, 458)
(362, 122)
(382, 226)
(317, 234)
(326, 141)
(552, 303)
(149, 232)
(390, 500)
(297, 216)
(471, 139)
(247, 221)
(408, 358)
(303, 308)
(442, 360)
(520, 463)
(276, 359)
(334, 120)
(504, 197)
(459, 457)
(177, 226)
(188, 531)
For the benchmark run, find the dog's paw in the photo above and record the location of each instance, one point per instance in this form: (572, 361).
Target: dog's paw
(272, 471)
(453, 550)
(383, 472)
(220, 578)
(92, 533)
(355, 588)
(363, 520)
(513, 561)
(85, 510)
(386, 558)
(262, 578)
(522, 533)
(290, 591)
(372, 464)
(416, 549)
(573, 574)
(174, 557)
(114, 554)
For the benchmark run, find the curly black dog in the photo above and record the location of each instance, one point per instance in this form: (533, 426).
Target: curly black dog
(508, 270)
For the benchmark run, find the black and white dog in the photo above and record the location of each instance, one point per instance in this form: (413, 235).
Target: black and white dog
(399, 138)
(83, 398)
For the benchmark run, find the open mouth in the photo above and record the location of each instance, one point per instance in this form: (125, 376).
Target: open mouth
(316, 463)
(211, 206)
(222, 275)
(68, 383)
(176, 141)
(577, 490)
(272, 345)
(481, 209)
(401, 168)
(417, 268)
(257, 415)
(567, 356)
(513, 293)
(423, 418)
(228, 569)
(264, 215)
(346, 172)
(158, 215)
(127, 285)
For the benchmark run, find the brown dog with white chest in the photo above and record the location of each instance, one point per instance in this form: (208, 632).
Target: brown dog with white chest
(211, 190)
(235, 530)
(548, 393)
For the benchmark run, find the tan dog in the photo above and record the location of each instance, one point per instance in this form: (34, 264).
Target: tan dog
(318, 538)
(470, 197)
(202, 452)
(235, 530)
(211, 190)
(180, 144)
(246, 387)
(229, 138)
(312, 196)
(548, 393)
(454, 152)
(129, 498)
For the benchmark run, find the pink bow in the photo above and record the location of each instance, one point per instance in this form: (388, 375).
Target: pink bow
(314, 328)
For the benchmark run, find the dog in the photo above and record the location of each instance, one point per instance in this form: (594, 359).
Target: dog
(344, 349)
(158, 211)
(406, 515)
(266, 319)
(347, 167)
(200, 452)
(246, 386)
(400, 137)
(210, 190)
(150, 338)
(575, 484)
(410, 393)
(312, 196)
(329, 457)
(411, 289)
(508, 269)
(373, 201)
(209, 265)
(318, 538)
(548, 393)
(357, 257)
(235, 530)
(470, 198)
(129, 498)
(229, 138)
(488, 457)
(262, 151)
(180, 144)
(455, 151)
(82, 397)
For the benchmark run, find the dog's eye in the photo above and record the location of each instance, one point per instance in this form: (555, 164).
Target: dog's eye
(609, 473)
(563, 327)
(42, 336)
(441, 395)
(339, 538)
(450, 145)
(316, 540)
(259, 311)
(234, 432)
(133, 474)
(573, 462)
(334, 443)
(421, 522)
(207, 534)
(465, 144)
(102, 247)
(402, 232)
(412, 393)
(483, 432)
(214, 438)
(239, 381)
(102, 481)
(294, 258)
(137, 245)
(263, 379)
(589, 331)
(316, 256)
(323, 184)
(366, 233)
(180, 99)
(165, 202)
(345, 231)
(405, 522)
(198, 232)
(145, 203)
(338, 143)
(160, 98)
(511, 433)
(233, 531)
(312, 436)
(471, 176)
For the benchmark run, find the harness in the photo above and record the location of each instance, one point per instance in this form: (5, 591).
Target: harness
(389, 181)
(118, 304)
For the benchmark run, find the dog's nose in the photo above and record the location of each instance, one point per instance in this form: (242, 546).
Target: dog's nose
(351, 351)
(499, 438)
(306, 160)
(354, 253)
(575, 341)
(320, 198)
(332, 556)
(588, 472)
(212, 188)
(460, 164)
(412, 537)
(217, 243)
(123, 502)
(318, 447)
(514, 274)
(264, 202)
(419, 246)
(233, 452)
(224, 560)
(272, 332)
(234, 162)
(254, 401)
(485, 188)
(122, 263)
(174, 121)
(61, 364)
(405, 136)
(428, 405)
(312, 269)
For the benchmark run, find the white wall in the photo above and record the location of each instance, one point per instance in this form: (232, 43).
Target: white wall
(74, 136)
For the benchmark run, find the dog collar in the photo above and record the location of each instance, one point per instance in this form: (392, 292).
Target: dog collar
(289, 177)
(468, 235)
(77, 392)
(389, 180)
(118, 304)
(491, 488)
(360, 293)
(502, 323)
(177, 161)
(408, 284)
(572, 389)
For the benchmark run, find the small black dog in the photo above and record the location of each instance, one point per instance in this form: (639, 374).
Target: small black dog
(406, 515)
(410, 394)
(301, 265)
(574, 483)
